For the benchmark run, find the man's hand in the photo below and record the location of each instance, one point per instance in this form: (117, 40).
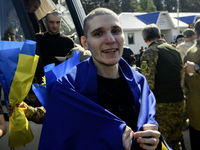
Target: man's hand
(127, 138)
(21, 105)
(148, 138)
(189, 67)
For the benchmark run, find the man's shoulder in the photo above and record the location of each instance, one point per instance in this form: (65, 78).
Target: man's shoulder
(181, 45)
(151, 50)
(65, 36)
(40, 34)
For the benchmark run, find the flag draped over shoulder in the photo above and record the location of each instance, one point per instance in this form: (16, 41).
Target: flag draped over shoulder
(18, 64)
(52, 73)
(74, 120)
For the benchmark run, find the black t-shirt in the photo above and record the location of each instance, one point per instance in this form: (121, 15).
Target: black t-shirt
(116, 96)
(53, 45)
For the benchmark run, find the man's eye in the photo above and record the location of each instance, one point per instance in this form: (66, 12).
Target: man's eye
(98, 34)
(116, 31)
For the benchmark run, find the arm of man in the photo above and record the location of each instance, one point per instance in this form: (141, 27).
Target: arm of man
(127, 138)
(3, 127)
(35, 114)
(189, 67)
(148, 66)
(149, 130)
(149, 137)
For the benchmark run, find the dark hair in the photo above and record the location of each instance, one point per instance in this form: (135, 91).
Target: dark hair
(96, 12)
(162, 35)
(151, 32)
(197, 27)
(54, 13)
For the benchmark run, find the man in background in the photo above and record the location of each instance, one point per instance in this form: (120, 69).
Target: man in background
(32, 5)
(190, 37)
(52, 43)
(162, 66)
(192, 62)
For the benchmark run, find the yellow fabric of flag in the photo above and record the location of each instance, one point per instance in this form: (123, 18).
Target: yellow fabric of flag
(163, 146)
(20, 132)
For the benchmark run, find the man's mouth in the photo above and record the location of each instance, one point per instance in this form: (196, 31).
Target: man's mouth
(110, 51)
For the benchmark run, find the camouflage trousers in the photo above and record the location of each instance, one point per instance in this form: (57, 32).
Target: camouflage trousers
(170, 119)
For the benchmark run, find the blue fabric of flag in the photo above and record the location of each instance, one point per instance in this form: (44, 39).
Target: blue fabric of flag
(29, 48)
(52, 73)
(18, 63)
(8, 59)
(74, 120)
(9, 55)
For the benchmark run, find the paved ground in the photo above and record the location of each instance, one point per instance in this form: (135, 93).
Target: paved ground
(186, 139)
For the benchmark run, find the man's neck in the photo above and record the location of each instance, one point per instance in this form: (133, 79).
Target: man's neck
(149, 42)
(111, 72)
(53, 33)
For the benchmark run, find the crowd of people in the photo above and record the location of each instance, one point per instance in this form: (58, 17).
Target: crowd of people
(103, 102)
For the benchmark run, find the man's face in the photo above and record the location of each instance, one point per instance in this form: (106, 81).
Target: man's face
(105, 40)
(53, 24)
(33, 6)
(193, 37)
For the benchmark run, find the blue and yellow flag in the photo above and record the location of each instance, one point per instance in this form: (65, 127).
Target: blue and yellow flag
(75, 121)
(52, 73)
(18, 64)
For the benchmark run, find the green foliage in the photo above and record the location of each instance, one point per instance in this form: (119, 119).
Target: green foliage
(119, 6)
(150, 6)
(147, 6)
(143, 5)
(158, 4)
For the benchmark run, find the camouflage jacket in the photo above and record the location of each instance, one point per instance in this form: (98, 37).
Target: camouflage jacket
(36, 114)
(162, 66)
(148, 62)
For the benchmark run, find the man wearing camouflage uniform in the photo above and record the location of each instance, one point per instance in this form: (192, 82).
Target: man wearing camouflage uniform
(189, 41)
(190, 37)
(162, 66)
(193, 88)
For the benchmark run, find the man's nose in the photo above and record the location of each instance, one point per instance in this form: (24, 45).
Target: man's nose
(55, 25)
(110, 38)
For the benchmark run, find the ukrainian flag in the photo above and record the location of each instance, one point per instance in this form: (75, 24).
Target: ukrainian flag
(18, 64)
(52, 73)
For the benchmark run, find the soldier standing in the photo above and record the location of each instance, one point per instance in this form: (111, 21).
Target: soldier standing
(162, 66)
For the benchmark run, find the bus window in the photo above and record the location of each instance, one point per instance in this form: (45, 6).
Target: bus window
(10, 29)
(17, 24)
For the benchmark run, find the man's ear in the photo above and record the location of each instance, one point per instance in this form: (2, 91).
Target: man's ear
(84, 43)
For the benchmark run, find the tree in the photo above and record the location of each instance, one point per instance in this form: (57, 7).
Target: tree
(147, 5)
(158, 4)
(114, 5)
(130, 6)
(150, 6)
(143, 5)
(184, 5)
(117, 6)
(170, 5)
(135, 5)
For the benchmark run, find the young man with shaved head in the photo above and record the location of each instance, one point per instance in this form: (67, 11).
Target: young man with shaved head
(102, 103)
